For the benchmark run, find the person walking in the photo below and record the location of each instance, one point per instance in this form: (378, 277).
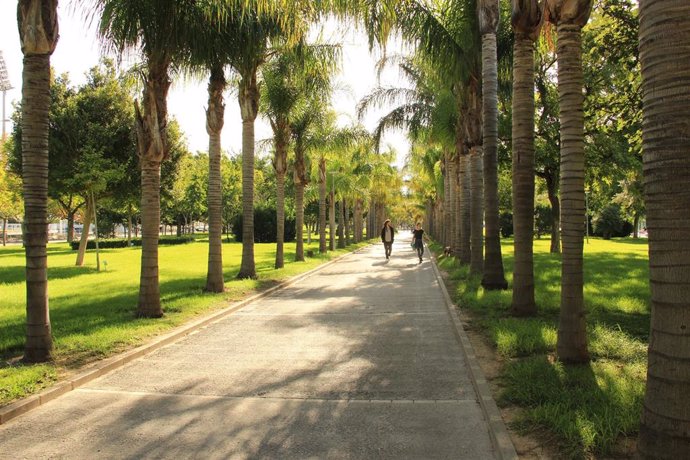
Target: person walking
(418, 240)
(387, 237)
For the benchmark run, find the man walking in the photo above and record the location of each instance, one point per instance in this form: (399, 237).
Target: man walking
(387, 237)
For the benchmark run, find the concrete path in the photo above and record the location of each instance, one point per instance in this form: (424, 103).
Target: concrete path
(357, 361)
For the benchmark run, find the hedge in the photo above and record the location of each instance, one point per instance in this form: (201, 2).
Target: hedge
(122, 242)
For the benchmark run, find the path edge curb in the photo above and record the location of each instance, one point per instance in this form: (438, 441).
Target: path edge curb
(500, 438)
(100, 368)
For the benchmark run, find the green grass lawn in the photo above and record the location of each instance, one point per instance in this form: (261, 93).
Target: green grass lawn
(587, 408)
(92, 313)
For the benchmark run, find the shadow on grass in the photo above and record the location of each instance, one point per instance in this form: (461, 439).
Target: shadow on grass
(16, 274)
(579, 403)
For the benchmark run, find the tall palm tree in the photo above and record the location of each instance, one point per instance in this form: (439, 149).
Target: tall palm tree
(215, 116)
(526, 18)
(38, 32)
(665, 58)
(488, 11)
(160, 29)
(570, 16)
(251, 49)
(297, 73)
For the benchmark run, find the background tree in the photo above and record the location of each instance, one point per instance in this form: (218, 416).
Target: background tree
(570, 16)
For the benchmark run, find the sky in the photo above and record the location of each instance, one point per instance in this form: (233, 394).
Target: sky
(78, 50)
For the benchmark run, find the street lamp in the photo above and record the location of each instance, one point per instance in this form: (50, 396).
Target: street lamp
(5, 86)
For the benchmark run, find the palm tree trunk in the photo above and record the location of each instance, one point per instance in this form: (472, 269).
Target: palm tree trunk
(4, 231)
(331, 213)
(665, 61)
(555, 202)
(249, 102)
(523, 303)
(494, 277)
(454, 235)
(280, 220)
(299, 224)
(215, 115)
(572, 336)
(464, 176)
(447, 204)
(322, 206)
(346, 222)
(35, 117)
(149, 290)
(476, 212)
(341, 224)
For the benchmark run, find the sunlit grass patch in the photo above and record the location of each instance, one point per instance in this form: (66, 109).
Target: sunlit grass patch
(587, 406)
(20, 381)
(515, 337)
(92, 313)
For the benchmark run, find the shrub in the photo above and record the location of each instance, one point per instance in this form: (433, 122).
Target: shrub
(122, 242)
(505, 222)
(265, 227)
(609, 223)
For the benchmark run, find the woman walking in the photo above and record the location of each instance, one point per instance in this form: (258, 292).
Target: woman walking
(418, 241)
(387, 237)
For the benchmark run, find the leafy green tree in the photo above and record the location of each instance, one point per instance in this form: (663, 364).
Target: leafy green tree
(10, 192)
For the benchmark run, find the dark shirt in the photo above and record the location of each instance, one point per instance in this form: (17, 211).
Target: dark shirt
(418, 234)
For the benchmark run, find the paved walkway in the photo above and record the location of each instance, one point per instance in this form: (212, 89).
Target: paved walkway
(357, 361)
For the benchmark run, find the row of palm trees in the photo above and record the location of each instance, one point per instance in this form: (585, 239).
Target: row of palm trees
(208, 38)
(164, 32)
(665, 420)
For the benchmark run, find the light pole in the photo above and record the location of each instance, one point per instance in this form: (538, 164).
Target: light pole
(5, 86)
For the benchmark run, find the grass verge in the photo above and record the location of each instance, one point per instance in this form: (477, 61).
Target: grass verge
(589, 408)
(92, 313)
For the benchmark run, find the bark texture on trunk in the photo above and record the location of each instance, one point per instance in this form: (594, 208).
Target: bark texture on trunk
(38, 32)
(322, 206)
(665, 59)
(454, 235)
(555, 202)
(465, 206)
(215, 115)
(447, 203)
(35, 106)
(493, 275)
(84, 239)
(280, 220)
(299, 224)
(249, 105)
(477, 212)
(331, 220)
(149, 290)
(572, 331)
(523, 303)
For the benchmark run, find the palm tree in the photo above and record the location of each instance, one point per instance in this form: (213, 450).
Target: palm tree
(570, 16)
(160, 29)
(38, 32)
(665, 58)
(215, 114)
(526, 19)
(297, 73)
(251, 48)
(493, 262)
